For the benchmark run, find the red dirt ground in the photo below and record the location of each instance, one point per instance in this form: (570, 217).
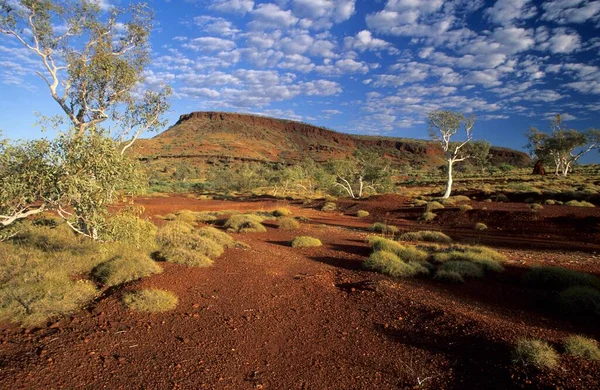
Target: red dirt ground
(274, 317)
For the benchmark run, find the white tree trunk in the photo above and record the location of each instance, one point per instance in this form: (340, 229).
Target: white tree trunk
(449, 182)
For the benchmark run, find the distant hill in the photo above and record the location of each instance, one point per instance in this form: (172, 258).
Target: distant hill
(214, 136)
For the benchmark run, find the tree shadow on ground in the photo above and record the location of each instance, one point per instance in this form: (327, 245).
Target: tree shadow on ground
(348, 264)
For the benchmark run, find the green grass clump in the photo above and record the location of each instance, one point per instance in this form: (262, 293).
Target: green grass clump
(186, 257)
(206, 217)
(362, 213)
(281, 212)
(187, 216)
(582, 347)
(577, 203)
(425, 235)
(383, 228)
(427, 216)
(536, 207)
(480, 226)
(150, 301)
(558, 278)
(406, 253)
(549, 201)
(305, 241)
(390, 264)
(245, 223)
(448, 277)
(125, 268)
(460, 198)
(419, 202)
(579, 300)
(216, 235)
(487, 258)
(434, 206)
(536, 353)
(329, 206)
(288, 224)
(465, 207)
(465, 269)
(128, 228)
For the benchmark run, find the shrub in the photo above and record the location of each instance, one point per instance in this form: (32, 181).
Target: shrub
(383, 228)
(125, 268)
(389, 264)
(406, 253)
(537, 353)
(281, 212)
(580, 300)
(582, 347)
(536, 207)
(425, 235)
(487, 258)
(383, 244)
(221, 238)
(460, 198)
(48, 239)
(501, 198)
(465, 269)
(448, 276)
(362, 213)
(187, 216)
(465, 207)
(428, 216)
(550, 201)
(434, 206)
(150, 301)
(576, 203)
(329, 206)
(305, 241)
(131, 229)
(206, 217)
(558, 278)
(288, 224)
(419, 202)
(480, 226)
(186, 257)
(176, 234)
(245, 223)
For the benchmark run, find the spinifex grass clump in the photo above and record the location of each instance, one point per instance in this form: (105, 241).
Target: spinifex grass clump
(245, 223)
(281, 212)
(362, 213)
(183, 244)
(577, 203)
(151, 301)
(383, 228)
(288, 224)
(305, 241)
(536, 353)
(390, 264)
(425, 235)
(125, 267)
(582, 347)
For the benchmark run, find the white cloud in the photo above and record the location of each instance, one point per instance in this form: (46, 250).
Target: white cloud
(209, 44)
(508, 12)
(219, 26)
(571, 11)
(270, 16)
(364, 41)
(562, 41)
(233, 6)
(321, 14)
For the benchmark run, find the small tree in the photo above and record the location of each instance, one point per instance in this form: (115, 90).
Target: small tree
(443, 125)
(367, 171)
(563, 146)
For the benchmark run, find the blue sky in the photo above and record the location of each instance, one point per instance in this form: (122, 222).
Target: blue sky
(360, 66)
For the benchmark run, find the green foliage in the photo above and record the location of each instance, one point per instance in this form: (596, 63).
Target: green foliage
(186, 256)
(582, 347)
(390, 264)
(558, 278)
(245, 223)
(129, 265)
(383, 228)
(281, 212)
(288, 224)
(536, 353)
(480, 226)
(305, 241)
(577, 203)
(579, 300)
(488, 259)
(465, 207)
(329, 206)
(448, 277)
(182, 244)
(465, 269)
(151, 301)
(362, 213)
(242, 178)
(131, 229)
(425, 235)
(427, 216)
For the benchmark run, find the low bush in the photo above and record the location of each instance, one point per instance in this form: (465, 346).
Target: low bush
(460, 198)
(245, 223)
(579, 300)
(558, 278)
(281, 212)
(577, 203)
(362, 213)
(125, 268)
(381, 227)
(131, 229)
(465, 269)
(216, 235)
(405, 253)
(187, 216)
(390, 264)
(329, 206)
(434, 206)
(582, 347)
(427, 217)
(465, 207)
(488, 259)
(480, 226)
(150, 301)
(425, 235)
(419, 202)
(305, 241)
(288, 224)
(185, 256)
(536, 353)
(448, 276)
(549, 201)
(535, 207)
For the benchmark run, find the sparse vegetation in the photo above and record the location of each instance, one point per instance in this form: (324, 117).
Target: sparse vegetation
(428, 216)
(389, 264)
(125, 267)
(579, 300)
(329, 206)
(305, 241)
(465, 207)
(558, 278)
(448, 277)
(383, 228)
(425, 235)
(579, 203)
(288, 224)
(245, 223)
(434, 206)
(582, 347)
(281, 212)
(536, 353)
(535, 207)
(480, 226)
(151, 301)
(362, 213)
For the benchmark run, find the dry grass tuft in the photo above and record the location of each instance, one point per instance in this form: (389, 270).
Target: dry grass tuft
(305, 241)
(151, 301)
(582, 347)
(536, 353)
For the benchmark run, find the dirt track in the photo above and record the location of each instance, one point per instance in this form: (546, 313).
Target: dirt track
(281, 318)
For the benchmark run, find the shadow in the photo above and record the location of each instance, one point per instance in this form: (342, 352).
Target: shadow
(280, 243)
(361, 250)
(348, 264)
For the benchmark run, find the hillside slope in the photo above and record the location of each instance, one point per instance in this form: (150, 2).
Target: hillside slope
(225, 136)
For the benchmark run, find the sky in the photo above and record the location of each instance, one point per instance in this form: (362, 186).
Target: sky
(360, 66)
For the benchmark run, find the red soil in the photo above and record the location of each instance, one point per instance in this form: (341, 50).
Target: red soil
(276, 317)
